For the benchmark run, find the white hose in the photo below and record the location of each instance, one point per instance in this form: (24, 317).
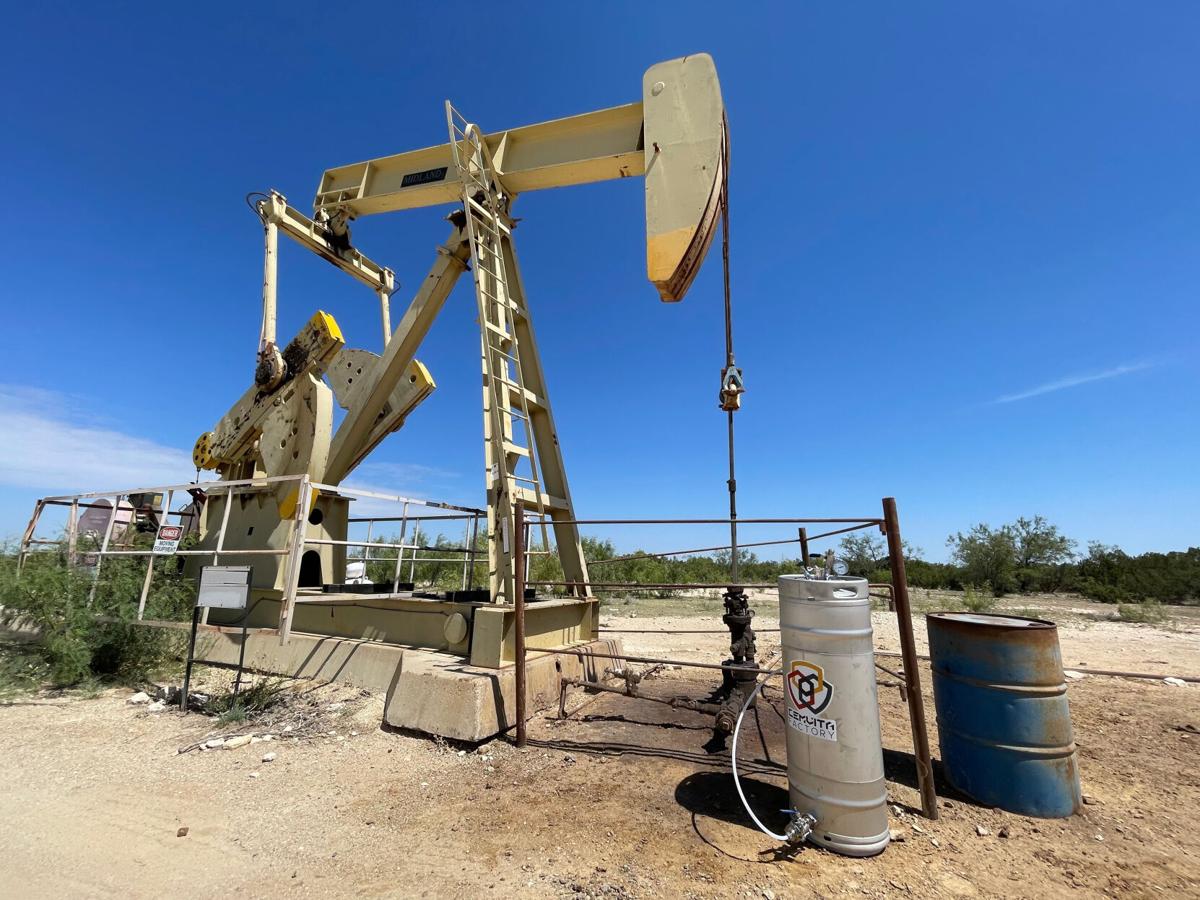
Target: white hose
(733, 758)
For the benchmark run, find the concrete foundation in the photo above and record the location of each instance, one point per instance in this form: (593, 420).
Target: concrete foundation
(435, 692)
(438, 694)
(484, 632)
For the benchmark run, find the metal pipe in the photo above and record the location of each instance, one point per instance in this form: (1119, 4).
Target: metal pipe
(861, 522)
(304, 499)
(599, 562)
(385, 546)
(473, 553)
(106, 506)
(682, 631)
(1113, 673)
(166, 505)
(825, 534)
(466, 560)
(406, 518)
(243, 486)
(912, 677)
(266, 336)
(108, 530)
(677, 702)
(400, 552)
(384, 301)
(395, 498)
(73, 534)
(192, 552)
(519, 618)
(583, 654)
(655, 587)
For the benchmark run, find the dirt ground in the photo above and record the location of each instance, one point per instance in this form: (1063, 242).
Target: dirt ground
(625, 798)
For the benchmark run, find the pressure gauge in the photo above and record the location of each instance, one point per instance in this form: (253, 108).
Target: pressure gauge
(840, 567)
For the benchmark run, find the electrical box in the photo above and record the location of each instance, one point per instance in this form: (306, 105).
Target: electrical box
(224, 587)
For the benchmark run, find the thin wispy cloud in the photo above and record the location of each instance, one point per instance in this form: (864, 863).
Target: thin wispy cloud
(1071, 381)
(401, 479)
(52, 443)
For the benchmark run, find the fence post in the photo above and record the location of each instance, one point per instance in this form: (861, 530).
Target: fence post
(162, 520)
(400, 549)
(519, 618)
(912, 677)
(108, 530)
(28, 538)
(73, 534)
(295, 555)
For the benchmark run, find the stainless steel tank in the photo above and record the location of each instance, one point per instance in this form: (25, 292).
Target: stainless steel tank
(834, 749)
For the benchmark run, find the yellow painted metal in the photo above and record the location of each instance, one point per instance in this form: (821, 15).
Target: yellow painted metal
(676, 137)
(353, 377)
(232, 440)
(202, 451)
(685, 139)
(358, 430)
(317, 237)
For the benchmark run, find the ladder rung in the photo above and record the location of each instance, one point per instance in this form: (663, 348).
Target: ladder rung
(490, 232)
(482, 268)
(482, 216)
(517, 397)
(489, 216)
(512, 359)
(498, 331)
(515, 449)
(507, 304)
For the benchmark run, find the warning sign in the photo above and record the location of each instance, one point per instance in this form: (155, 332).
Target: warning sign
(809, 694)
(167, 541)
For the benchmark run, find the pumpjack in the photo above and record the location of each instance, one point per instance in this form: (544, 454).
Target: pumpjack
(675, 138)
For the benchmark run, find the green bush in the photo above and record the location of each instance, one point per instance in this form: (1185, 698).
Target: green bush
(1110, 575)
(81, 635)
(978, 600)
(1146, 611)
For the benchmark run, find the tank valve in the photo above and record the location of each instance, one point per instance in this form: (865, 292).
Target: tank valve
(800, 827)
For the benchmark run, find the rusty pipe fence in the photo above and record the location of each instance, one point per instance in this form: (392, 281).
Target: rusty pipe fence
(888, 523)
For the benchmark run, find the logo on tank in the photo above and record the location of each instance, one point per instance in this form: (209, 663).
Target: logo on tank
(809, 694)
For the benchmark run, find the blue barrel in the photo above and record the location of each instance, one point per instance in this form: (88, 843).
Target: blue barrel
(1003, 720)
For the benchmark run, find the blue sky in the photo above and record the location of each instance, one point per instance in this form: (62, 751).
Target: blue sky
(964, 252)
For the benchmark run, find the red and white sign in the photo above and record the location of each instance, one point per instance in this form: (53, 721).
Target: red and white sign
(168, 538)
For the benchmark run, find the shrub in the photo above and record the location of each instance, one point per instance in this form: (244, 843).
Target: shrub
(978, 600)
(1147, 612)
(249, 703)
(83, 633)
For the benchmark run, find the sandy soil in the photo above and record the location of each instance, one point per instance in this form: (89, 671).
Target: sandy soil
(625, 798)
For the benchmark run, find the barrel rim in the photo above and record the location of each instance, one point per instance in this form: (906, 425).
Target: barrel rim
(971, 618)
(797, 576)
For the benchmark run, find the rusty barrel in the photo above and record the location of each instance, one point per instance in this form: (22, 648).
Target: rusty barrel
(1003, 720)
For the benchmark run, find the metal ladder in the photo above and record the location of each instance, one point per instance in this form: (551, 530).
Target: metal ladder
(514, 476)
